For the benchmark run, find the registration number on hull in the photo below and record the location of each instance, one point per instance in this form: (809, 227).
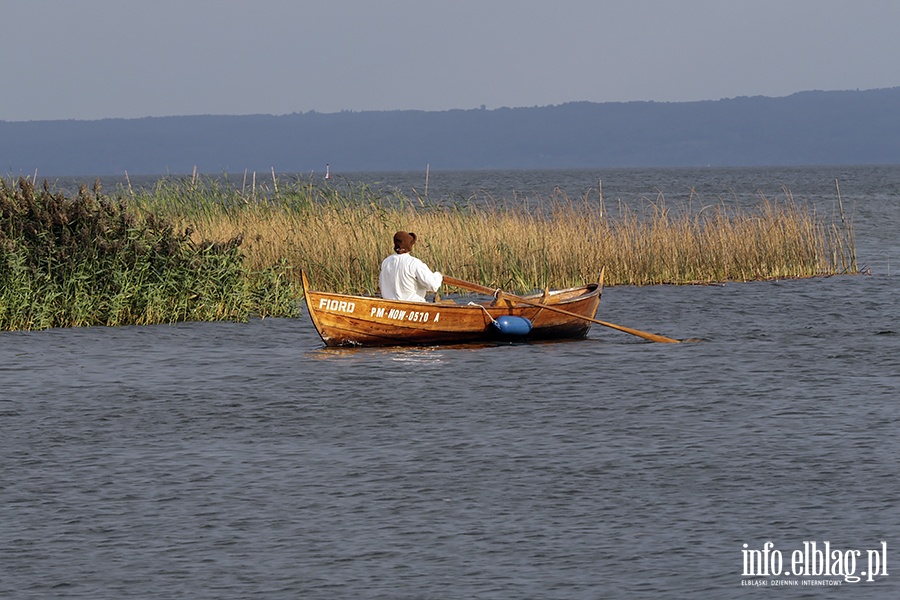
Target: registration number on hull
(396, 314)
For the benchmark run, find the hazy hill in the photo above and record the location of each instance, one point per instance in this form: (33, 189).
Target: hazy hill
(852, 127)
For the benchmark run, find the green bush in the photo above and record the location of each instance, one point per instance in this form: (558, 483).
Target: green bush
(91, 261)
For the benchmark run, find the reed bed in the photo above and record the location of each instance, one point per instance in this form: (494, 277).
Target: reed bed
(341, 236)
(203, 249)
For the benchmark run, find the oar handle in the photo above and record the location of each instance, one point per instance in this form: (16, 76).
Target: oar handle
(468, 285)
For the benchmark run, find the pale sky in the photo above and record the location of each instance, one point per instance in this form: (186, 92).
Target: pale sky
(93, 59)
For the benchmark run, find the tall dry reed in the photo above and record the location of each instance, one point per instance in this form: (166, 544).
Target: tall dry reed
(341, 236)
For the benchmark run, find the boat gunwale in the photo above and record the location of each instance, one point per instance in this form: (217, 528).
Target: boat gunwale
(585, 291)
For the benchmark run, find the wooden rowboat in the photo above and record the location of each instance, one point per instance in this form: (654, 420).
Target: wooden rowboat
(346, 320)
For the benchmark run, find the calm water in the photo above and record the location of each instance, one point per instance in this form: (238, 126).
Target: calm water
(247, 460)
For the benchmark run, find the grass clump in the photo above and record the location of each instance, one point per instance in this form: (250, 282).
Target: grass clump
(90, 260)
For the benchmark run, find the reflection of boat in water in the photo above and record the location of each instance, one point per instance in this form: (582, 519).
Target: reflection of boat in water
(347, 320)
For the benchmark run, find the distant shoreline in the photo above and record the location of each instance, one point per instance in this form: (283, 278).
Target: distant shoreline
(803, 129)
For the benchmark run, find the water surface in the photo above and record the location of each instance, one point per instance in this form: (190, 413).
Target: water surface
(222, 460)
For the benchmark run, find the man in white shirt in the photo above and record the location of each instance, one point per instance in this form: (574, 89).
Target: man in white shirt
(405, 277)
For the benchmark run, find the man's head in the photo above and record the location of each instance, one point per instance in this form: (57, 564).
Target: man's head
(403, 242)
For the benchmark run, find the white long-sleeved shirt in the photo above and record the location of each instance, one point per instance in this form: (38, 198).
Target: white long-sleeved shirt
(405, 277)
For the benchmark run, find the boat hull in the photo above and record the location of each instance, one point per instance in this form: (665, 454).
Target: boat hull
(346, 320)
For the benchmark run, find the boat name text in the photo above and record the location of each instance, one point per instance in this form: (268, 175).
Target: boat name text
(337, 305)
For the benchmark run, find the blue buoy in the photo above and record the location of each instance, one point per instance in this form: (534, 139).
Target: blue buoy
(512, 325)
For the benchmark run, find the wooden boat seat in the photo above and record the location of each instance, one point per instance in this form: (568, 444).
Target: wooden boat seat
(502, 300)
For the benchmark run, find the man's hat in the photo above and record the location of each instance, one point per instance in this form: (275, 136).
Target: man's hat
(403, 242)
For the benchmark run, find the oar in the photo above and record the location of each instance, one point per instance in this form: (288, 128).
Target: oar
(486, 290)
